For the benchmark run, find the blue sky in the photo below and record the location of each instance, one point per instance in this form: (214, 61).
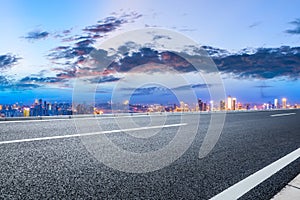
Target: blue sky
(31, 32)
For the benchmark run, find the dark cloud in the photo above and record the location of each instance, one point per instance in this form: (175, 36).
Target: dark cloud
(144, 56)
(81, 47)
(158, 37)
(9, 84)
(70, 52)
(37, 35)
(262, 63)
(192, 86)
(67, 73)
(265, 63)
(104, 79)
(255, 24)
(263, 86)
(4, 81)
(112, 23)
(151, 90)
(296, 29)
(170, 60)
(42, 80)
(8, 60)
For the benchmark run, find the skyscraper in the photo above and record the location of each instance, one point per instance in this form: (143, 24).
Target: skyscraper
(276, 103)
(284, 103)
(229, 103)
(233, 103)
(222, 105)
(211, 105)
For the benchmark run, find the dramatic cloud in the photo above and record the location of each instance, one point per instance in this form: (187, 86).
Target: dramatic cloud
(8, 84)
(104, 79)
(8, 60)
(112, 23)
(37, 35)
(38, 80)
(150, 90)
(4, 82)
(265, 63)
(80, 47)
(192, 86)
(296, 29)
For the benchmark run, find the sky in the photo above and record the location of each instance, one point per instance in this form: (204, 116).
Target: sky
(47, 49)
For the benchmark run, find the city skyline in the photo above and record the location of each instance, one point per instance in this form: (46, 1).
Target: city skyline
(42, 107)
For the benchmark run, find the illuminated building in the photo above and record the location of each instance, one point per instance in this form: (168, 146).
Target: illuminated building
(276, 103)
(233, 103)
(247, 106)
(1, 107)
(26, 112)
(240, 107)
(284, 103)
(222, 105)
(229, 103)
(202, 105)
(211, 105)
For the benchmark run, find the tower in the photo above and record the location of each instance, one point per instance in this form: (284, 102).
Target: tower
(284, 103)
(229, 103)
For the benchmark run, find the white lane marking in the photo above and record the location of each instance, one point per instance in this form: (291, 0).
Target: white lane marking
(34, 120)
(89, 134)
(73, 118)
(245, 185)
(282, 114)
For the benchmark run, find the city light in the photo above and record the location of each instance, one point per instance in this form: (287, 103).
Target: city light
(44, 108)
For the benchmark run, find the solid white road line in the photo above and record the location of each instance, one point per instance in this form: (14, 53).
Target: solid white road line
(88, 134)
(282, 114)
(74, 118)
(245, 185)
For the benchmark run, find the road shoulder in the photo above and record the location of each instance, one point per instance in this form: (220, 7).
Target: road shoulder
(290, 191)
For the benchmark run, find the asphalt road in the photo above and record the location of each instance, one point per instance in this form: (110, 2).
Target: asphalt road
(65, 168)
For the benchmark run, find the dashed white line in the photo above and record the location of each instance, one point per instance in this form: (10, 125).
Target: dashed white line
(245, 185)
(282, 114)
(89, 134)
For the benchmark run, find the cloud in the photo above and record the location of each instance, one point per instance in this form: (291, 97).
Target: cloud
(4, 81)
(8, 60)
(104, 79)
(67, 52)
(265, 63)
(263, 86)
(38, 80)
(255, 24)
(150, 90)
(36, 35)
(83, 45)
(296, 29)
(9, 84)
(192, 86)
(112, 23)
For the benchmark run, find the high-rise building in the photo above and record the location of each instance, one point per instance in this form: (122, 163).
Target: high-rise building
(200, 104)
(229, 103)
(284, 103)
(239, 106)
(26, 112)
(233, 103)
(211, 105)
(276, 103)
(222, 105)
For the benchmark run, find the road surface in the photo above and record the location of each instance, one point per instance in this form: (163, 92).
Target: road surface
(46, 159)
